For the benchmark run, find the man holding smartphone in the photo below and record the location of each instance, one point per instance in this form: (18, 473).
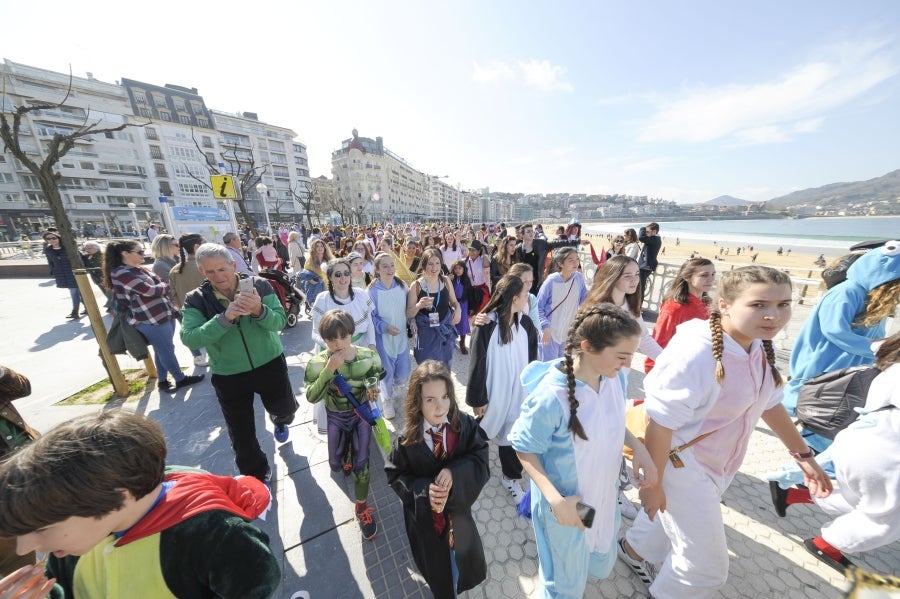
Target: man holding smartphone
(238, 318)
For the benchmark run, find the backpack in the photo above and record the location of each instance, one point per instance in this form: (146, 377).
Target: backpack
(836, 273)
(826, 401)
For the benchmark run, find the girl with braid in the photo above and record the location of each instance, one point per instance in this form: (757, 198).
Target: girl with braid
(709, 387)
(569, 438)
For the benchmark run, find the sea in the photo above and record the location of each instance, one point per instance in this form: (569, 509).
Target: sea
(822, 235)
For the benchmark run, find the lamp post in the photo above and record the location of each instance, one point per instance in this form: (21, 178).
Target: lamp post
(137, 225)
(263, 190)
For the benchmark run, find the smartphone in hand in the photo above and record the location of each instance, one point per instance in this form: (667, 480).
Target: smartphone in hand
(245, 285)
(585, 514)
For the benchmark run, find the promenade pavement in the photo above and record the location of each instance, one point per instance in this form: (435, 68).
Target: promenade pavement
(311, 526)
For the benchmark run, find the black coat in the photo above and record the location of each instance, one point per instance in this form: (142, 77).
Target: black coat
(60, 267)
(410, 469)
(541, 248)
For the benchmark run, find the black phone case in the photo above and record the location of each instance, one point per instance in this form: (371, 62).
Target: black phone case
(585, 513)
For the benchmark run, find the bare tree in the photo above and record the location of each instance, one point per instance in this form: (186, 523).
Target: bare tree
(307, 198)
(48, 177)
(242, 165)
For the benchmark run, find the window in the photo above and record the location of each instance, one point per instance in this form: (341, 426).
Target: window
(185, 120)
(145, 113)
(150, 132)
(11, 197)
(279, 158)
(164, 115)
(126, 185)
(207, 141)
(164, 188)
(177, 152)
(197, 107)
(52, 129)
(139, 96)
(281, 172)
(160, 169)
(88, 166)
(6, 178)
(83, 199)
(193, 189)
(179, 104)
(302, 172)
(203, 123)
(30, 182)
(236, 140)
(299, 149)
(156, 153)
(276, 145)
(299, 160)
(159, 99)
(210, 158)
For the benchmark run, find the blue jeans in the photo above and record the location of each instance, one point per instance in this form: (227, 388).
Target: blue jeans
(160, 338)
(76, 298)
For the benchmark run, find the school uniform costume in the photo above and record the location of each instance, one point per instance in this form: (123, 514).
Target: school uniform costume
(683, 395)
(195, 542)
(438, 342)
(567, 555)
(558, 301)
(494, 372)
(410, 470)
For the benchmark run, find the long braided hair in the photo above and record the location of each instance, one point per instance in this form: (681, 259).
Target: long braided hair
(186, 244)
(731, 284)
(601, 325)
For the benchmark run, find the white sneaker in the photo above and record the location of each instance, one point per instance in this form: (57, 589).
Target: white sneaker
(514, 487)
(200, 360)
(644, 569)
(626, 508)
(388, 411)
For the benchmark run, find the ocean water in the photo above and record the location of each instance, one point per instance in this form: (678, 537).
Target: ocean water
(830, 236)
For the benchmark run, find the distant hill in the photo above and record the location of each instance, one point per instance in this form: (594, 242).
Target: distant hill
(727, 201)
(838, 195)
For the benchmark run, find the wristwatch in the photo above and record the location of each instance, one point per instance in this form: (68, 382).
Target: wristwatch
(803, 455)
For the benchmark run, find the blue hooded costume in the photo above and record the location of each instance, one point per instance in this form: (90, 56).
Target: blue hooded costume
(828, 340)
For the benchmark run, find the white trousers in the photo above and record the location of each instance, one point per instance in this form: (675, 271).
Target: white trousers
(688, 538)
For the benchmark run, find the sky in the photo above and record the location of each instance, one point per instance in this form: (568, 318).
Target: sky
(682, 101)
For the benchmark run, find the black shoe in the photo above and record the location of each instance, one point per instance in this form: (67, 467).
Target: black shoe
(74, 314)
(165, 386)
(779, 498)
(839, 565)
(84, 312)
(367, 524)
(189, 380)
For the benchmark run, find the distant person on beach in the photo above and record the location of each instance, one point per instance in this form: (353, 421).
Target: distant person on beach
(649, 237)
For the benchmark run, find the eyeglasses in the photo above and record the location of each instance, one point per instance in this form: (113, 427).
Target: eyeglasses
(341, 275)
(619, 241)
(51, 237)
(141, 252)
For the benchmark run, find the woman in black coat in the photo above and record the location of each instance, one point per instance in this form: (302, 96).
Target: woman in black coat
(61, 270)
(437, 493)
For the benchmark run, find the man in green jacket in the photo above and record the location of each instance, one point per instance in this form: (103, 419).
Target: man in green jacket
(240, 329)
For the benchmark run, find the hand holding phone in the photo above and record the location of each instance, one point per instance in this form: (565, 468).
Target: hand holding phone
(585, 513)
(245, 285)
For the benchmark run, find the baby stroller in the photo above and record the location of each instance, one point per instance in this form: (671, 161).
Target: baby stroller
(312, 285)
(291, 297)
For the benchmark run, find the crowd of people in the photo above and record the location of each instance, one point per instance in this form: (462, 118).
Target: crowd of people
(549, 352)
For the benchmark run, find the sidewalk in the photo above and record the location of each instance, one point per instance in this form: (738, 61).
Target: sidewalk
(312, 526)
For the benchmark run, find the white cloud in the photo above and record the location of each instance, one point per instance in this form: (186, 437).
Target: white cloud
(495, 71)
(545, 76)
(535, 73)
(796, 102)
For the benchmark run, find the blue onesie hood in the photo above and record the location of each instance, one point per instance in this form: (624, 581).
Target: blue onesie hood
(534, 374)
(876, 267)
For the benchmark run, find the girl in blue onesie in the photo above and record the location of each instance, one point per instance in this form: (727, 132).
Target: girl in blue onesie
(569, 438)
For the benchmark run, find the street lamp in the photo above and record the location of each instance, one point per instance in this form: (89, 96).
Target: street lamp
(263, 190)
(137, 225)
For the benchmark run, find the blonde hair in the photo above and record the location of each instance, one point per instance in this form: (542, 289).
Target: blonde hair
(881, 302)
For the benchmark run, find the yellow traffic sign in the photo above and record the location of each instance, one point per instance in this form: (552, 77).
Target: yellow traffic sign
(222, 187)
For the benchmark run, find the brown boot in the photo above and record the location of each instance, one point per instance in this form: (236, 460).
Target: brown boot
(462, 345)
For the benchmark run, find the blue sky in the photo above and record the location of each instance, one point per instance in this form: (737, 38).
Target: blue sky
(684, 101)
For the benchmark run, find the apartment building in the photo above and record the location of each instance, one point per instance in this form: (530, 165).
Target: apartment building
(112, 182)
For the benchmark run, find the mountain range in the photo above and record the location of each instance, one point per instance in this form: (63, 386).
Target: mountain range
(884, 189)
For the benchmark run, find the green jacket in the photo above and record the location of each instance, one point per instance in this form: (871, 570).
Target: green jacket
(233, 348)
(319, 379)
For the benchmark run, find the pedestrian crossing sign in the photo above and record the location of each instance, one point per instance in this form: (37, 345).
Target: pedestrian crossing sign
(222, 187)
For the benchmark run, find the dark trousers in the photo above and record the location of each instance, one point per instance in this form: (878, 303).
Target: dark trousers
(509, 462)
(645, 274)
(235, 394)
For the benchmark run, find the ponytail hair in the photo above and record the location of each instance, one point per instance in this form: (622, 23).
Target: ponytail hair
(112, 259)
(731, 284)
(601, 325)
(186, 243)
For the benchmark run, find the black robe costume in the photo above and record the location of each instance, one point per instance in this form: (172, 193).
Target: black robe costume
(410, 469)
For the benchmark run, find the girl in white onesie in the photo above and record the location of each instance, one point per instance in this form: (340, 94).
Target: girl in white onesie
(709, 387)
(559, 298)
